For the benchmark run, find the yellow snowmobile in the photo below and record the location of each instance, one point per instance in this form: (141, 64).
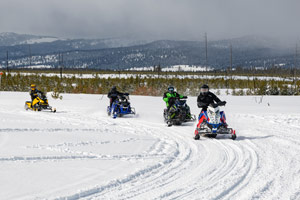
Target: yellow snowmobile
(38, 104)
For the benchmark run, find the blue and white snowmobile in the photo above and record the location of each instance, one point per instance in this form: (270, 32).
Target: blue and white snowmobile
(121, 106)
(213, 122)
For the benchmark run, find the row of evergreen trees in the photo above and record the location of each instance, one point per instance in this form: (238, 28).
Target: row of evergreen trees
(148, 86)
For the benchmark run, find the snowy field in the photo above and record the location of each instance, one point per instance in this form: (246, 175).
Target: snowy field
(81, 153)
(175, 68)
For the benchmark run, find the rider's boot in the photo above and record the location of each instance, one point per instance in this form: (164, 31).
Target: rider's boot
(197, 135)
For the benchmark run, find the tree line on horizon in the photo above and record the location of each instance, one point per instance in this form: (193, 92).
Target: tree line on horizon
(148, 85)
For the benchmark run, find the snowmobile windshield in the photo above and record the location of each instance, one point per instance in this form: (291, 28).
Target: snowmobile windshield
(211, 112)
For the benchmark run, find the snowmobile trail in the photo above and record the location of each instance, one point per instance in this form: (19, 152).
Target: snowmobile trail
(191, 166)
(84, 154)
(209, 169)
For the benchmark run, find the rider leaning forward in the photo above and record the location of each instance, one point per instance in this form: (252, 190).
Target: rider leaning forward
(169, 97)
(113, 95)
(34, 93)
(206, 97)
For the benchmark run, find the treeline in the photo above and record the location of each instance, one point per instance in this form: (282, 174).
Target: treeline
(148, 86)
(273, 71)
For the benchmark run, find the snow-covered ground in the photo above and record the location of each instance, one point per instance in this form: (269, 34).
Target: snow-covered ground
(40, 40)
(175, 68)
(81, 153)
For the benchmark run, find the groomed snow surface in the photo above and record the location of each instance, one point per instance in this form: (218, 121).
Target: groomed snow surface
(81, 153)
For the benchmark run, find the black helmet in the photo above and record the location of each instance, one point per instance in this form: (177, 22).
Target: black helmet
(114, 88)
(171, 89)
(204, 89)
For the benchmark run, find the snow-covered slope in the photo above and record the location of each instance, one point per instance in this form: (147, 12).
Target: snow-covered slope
(10, 39)
(81, 153)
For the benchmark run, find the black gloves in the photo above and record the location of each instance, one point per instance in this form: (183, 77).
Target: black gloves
(184, 97)
(222, 103)
(201, 104)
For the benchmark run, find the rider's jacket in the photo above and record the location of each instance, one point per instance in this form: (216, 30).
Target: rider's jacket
(34, 93)
(204, 100)
(113, 95)
(169, 98)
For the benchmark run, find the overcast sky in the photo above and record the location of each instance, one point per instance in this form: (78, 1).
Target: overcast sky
(161, 19)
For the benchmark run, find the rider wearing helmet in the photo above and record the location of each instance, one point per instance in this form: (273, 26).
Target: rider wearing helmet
(170, 97)
(34, 93)
(206, 97)
(113, 95)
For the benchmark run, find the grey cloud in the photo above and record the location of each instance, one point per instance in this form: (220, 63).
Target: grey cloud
(161, 19)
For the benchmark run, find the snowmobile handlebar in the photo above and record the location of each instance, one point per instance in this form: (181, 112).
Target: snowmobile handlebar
(178, 98)
(201, 104)
(124, 96)
(42, 96)
(222, 103)
(113, 95)
(119, 95)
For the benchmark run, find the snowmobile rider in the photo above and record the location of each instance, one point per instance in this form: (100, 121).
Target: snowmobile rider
(170, 97)
(113, 95)
(206, 97)
(34, 93)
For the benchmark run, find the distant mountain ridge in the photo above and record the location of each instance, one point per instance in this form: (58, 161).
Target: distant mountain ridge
(11, 39)
(124, 53)
(14, 39)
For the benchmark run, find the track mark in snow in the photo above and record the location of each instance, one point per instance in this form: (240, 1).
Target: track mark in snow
(119, 182)
(265, 191)
(163, 176)
(242, 175)
(67, 148)
(141, 177)
(43, 158)
(82, 143)
(51, 130)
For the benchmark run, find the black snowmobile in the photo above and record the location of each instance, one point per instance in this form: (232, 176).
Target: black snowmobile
(180, 114)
